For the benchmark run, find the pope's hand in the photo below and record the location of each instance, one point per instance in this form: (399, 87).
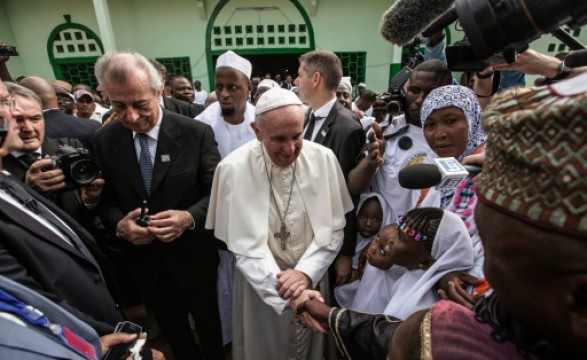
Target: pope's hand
(291, 283)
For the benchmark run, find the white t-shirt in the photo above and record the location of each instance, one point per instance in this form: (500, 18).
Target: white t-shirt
(395, 159)
(200, 96)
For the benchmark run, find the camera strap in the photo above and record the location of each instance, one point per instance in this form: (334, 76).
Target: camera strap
(400, 132)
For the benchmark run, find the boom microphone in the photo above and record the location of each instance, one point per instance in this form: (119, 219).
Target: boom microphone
(445, 20)
(445, 173)
(406, 19)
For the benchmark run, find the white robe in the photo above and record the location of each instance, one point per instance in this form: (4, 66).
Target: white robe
(229, 137)
(242, 214)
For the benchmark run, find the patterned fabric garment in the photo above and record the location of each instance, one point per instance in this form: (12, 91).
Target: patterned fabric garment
(463, 204)
(464, 99)
(536, 166)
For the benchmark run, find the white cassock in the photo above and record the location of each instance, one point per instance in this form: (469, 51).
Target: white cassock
(229, 137)
(243, 214)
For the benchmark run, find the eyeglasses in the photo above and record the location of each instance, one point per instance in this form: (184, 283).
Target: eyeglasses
(9, 103)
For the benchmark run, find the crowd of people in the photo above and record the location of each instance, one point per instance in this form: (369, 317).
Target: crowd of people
(266, 214)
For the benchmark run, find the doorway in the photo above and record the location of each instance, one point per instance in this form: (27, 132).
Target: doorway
(274, 64)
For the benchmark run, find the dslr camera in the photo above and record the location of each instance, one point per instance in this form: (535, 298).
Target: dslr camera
(77, 165)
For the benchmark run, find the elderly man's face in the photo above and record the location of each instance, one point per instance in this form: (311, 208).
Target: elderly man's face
(540, 277)
(135, 103)
(232, 90)
(29, 120)
(280, 131)
(12, 141)
(343, 96)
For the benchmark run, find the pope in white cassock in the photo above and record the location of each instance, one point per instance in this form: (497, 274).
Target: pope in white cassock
(278, 202)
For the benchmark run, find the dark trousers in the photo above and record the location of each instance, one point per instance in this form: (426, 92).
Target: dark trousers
(171, 303)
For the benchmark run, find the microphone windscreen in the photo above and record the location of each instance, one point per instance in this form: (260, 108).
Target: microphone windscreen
(406, 19)
(419, 176)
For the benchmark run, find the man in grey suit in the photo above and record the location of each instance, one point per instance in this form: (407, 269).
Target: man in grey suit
(168, 161)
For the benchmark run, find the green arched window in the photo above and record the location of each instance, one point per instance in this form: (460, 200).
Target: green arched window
(73, 49)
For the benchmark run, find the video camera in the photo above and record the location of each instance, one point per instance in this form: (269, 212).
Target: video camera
(395, 97)
(497, 29)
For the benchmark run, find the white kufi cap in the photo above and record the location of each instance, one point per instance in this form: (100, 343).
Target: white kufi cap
(236, 62)
(268, 83)
(275, 99)
(346, 81)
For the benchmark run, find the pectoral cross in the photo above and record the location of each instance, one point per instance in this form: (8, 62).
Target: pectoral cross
(283, 235)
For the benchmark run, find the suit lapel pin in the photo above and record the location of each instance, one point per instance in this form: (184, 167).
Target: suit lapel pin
(323, 133)
(165, 158)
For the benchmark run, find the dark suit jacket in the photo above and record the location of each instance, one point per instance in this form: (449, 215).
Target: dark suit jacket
(35, 257)
(69, 201)
(185, 161)
(344, 135)
(61, 125)
(181, 107)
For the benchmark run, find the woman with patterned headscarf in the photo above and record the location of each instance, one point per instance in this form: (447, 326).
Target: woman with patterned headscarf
(451, 122)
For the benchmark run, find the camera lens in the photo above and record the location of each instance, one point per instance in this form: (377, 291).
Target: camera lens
(83, 172)
(394, 108)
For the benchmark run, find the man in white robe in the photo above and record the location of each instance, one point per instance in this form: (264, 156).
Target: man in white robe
(231, 116)
(278, 202)
(230, 119)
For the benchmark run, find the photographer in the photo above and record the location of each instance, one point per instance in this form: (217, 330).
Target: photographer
(28, 165)
(400, 144)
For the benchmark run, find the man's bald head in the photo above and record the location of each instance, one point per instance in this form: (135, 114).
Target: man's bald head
(43, 89)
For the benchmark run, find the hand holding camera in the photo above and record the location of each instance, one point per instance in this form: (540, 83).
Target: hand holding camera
(43, 179)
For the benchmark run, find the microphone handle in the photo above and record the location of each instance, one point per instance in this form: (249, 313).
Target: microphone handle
(443, 21)
(473, 170)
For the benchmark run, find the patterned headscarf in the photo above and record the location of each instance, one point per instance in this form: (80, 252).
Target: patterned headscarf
(536, 166)
(463, 98)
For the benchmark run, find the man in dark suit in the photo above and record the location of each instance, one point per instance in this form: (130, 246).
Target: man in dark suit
(44, 249)
(333, 126)
(57, 123)
(168, 161)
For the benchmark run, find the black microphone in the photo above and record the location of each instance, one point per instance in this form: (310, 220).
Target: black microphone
(406, 19)
(445, 173)
(576, 59)
(445, 20)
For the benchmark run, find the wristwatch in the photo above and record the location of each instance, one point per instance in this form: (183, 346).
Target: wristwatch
(563, 72)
